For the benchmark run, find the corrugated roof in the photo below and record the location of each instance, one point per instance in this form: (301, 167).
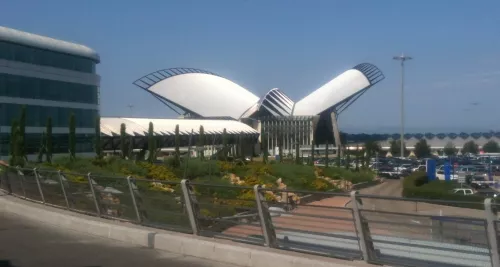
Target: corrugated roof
(139, 126)
(43, 42)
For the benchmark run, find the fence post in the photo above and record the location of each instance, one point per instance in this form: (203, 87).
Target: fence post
(191, 205)
(98, 210)
(20, 175)
(37, 178)
(59, 173)
(365, 242)
(266, 222)
(134, 202)
(491, 232)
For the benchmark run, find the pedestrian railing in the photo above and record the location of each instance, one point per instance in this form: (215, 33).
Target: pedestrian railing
(376, 229)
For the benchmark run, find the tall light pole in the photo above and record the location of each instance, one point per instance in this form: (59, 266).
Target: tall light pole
(402, 58)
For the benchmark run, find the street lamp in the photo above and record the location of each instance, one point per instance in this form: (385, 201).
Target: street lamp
(402, 58)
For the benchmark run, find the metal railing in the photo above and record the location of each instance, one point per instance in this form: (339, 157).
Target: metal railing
(376, 229)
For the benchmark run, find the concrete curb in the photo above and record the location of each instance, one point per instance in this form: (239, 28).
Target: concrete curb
(201, 247)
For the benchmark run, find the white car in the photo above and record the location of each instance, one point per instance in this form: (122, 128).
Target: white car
(463, 191)
(420, 168)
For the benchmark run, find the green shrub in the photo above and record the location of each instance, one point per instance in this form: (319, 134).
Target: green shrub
(417, 185)
(337, 173)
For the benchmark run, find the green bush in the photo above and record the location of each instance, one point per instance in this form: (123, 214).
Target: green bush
(337, 173)
(417, 185)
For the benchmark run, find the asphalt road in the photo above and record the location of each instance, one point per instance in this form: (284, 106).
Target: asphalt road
(26, 243)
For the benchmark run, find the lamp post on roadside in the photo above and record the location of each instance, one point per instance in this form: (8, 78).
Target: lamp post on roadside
(402, 58)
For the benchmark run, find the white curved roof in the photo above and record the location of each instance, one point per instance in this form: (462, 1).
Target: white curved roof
(47, 43)
(332, 93)
(139, 126)
(205, 94)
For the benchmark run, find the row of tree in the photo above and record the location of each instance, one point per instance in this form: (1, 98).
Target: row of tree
(423, 150)
(18, 142)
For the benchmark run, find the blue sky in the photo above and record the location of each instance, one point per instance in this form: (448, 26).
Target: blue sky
(296, 46)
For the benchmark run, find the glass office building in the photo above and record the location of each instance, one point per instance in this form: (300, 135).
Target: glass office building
(51, 78)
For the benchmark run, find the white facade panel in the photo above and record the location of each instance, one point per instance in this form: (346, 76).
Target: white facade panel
(140, 126)
(205, 94)
(334, 92)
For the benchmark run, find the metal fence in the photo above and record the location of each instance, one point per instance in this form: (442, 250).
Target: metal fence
(376, 229)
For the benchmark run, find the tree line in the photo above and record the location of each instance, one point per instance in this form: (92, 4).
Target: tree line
(17, 142)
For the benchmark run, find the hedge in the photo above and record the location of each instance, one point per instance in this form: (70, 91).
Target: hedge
(417, 185)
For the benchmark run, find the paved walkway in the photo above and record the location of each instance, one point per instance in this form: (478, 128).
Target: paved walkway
(28, 244)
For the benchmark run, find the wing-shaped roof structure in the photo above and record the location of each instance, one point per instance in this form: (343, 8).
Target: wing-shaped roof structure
(198, 92)
(340, 92)
(205, 94)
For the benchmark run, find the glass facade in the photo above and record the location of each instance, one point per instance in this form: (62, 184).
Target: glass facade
(36, 116)
(37, 56)
(27, 87)
(84, 143)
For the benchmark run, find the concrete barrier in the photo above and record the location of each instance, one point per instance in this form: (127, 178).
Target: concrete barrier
(201, 247)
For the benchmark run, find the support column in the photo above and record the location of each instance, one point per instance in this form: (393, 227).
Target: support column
(336, 133)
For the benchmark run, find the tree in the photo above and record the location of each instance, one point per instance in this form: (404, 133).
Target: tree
(224, 144)
(201, 143)
(48, 141)
(347, 158)
(151, 143)
(297, 151)
(491, 147)
(422, 149)
(97, 141)
(326, 154)
(396, 148)
(280, 146)
(15, 141)
(41, 149)
(470, 147)
(357, 158)
(22, 133)
(450, 149)
(265, 154)
(177, 143)
(123, 140)
(130, 149)
(372, 148)
(312, 152)
(72, 136)
(242, 146)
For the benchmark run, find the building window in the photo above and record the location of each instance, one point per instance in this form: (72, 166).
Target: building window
(84, 143)
(36, 56)
(36, 116)
(34, 88)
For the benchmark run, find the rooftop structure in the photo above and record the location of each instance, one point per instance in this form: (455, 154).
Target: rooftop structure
(189, 130)
(201, 93)
(47, 43)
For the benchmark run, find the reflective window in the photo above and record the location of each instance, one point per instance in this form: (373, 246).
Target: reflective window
(84, 143)
(27, 87)
(36, 116)
(21, 53)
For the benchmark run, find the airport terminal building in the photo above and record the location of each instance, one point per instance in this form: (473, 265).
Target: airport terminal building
(203, 95)
(51, 78)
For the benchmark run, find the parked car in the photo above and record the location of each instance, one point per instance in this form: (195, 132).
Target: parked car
(479, 183)
(463, 191)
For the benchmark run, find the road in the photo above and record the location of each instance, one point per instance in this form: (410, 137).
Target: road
(26, 243)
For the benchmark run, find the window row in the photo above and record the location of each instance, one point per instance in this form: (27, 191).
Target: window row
(36, 116)
(84, 143)
(37, 56)
(28, 87)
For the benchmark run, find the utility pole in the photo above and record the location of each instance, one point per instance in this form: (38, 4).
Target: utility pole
(402, 58)
(131, 107)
